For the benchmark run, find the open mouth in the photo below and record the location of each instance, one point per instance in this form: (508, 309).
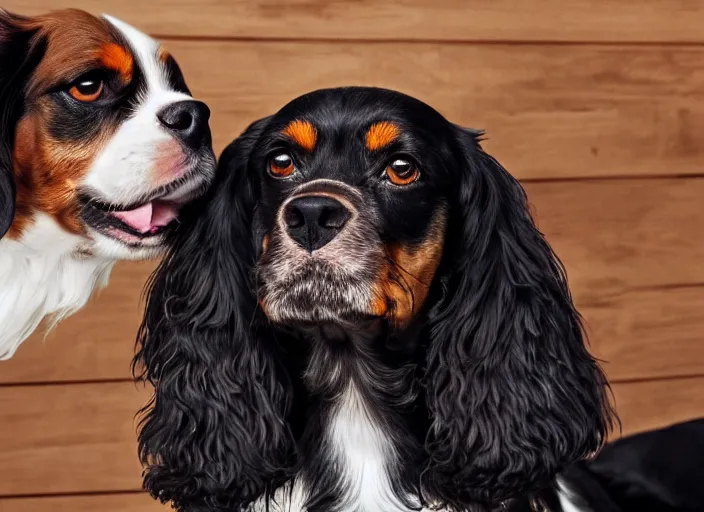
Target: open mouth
(138, 222)
(143, 222)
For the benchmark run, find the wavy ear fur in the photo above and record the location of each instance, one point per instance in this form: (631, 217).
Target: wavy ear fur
(214, 437)
(18, 57)
(513, 393)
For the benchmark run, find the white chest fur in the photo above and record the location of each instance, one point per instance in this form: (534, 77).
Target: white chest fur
(366, 455)
(43, 275)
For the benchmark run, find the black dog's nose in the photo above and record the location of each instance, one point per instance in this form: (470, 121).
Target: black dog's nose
(187, 120)
(313, 221)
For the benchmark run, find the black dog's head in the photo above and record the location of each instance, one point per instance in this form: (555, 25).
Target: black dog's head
(356, 202)
(366, 210)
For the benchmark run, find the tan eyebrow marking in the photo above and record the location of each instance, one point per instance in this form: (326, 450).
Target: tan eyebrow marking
(382, 134)
(163, 54)
(302, 133)
(115, 57)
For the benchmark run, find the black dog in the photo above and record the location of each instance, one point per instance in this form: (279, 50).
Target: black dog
(657, 471)
(363, 317)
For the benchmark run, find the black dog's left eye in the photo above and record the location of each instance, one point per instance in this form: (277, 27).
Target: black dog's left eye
(281, 166)
(402, 172)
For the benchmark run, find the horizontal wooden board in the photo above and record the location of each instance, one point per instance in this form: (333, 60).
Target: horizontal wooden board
(69, 438)
(137, 502)
(648, 333)
(649, 405)
(481, 20)
(629, 247)
(80, 438)
(618, 236)
(549, 111)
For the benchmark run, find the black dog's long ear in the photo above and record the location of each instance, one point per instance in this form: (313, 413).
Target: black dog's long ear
(16, 62)
(214, 436)
(513, 393)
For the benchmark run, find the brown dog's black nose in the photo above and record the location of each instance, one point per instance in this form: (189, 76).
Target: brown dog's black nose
(313, 221)
(187, 120)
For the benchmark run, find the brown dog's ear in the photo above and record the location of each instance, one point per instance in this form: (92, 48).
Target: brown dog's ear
(19, 55)
(513, 393)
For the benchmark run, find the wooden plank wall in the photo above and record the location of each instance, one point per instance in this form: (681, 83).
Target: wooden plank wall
(597, 105)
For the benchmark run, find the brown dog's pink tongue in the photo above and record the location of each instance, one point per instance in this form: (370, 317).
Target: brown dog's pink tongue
(139, 219)
(163, 213)
(150, 217)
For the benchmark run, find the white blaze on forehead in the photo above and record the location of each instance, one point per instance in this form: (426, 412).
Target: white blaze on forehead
(122, 172)
(146, 53)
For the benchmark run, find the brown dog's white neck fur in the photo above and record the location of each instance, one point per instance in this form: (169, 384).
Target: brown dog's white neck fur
(44, 274)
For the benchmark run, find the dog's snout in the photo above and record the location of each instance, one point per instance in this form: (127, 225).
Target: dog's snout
(314, 221)
(187, 120)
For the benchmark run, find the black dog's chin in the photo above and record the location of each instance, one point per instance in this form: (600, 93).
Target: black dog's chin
(302, 310)
(304, 304)
(314, 293)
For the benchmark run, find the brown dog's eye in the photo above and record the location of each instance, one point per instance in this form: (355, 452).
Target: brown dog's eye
(86, 89)
(281, 166)
(402, 172)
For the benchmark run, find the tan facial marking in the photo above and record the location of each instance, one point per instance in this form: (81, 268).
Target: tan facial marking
(381, 135)
(47, 171)
(403, 286)
(117, 58)
(163, 54)
(302, 133)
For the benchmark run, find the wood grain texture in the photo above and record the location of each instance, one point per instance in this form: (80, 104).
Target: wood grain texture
(137, 502)
(633, 263)
(648, 333)
(549, 111)
(81, 438)
(481, 20)
(69, 438)
(616, 236)
(654, 404)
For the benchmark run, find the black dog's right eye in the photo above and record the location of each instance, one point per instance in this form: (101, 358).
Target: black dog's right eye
(402, 172)
(281, 166)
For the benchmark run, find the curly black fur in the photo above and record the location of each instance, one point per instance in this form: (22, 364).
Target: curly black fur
(513, 392)
(214, 435)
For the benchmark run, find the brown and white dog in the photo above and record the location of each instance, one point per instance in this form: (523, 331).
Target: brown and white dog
(102, 143)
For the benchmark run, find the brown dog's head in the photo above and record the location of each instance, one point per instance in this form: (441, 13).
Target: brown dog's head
(101, 139)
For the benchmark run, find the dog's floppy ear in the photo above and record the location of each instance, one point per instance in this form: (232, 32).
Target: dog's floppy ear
(19, 54)
(513, 393)
(214, 436)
